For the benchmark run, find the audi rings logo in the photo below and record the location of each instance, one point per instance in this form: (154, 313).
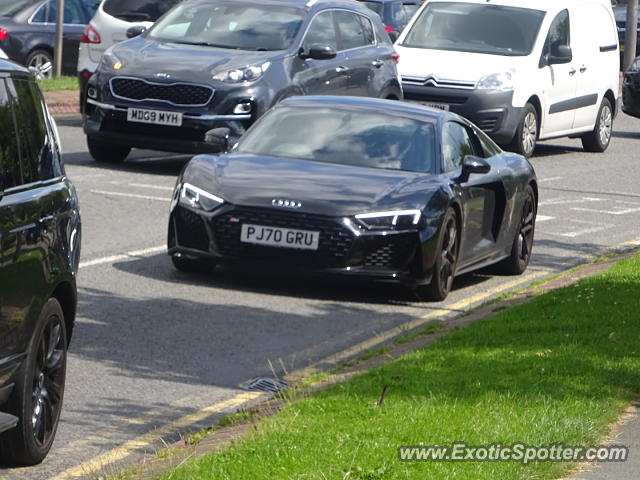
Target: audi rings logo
(283, 203)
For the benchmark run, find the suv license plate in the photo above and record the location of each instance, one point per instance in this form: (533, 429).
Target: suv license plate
(154, 117)
(279, 237)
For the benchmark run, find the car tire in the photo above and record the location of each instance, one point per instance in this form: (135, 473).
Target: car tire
(524, 142)
(192, 265)
(41, 382)
(104, 153)
(41, 62)
(444, 267)
(522, 246)
(598, 140)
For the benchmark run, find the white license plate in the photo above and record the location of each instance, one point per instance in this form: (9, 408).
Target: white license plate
(279, 237)
(439, 106)
(155, 117)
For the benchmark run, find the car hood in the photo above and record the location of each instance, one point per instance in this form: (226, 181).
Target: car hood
(450, 65)
(146, 58)
(324, 189)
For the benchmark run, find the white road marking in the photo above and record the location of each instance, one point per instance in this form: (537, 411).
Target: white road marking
(147, 252)
(132, 195)
(543, 218)
(562, 201)
(607, 212)
(154, 187)
(596, 227)
(550, 179)
(89, 175)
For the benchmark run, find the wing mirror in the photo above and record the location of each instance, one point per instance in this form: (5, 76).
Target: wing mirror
(218, 138)
(560, 55)
(319, 52)
(136, 30)
(472, 164)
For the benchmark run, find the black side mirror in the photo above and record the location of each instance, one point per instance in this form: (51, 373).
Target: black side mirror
(472, 164)
(560, 55)
(393, 35)
(218, 138)
(319, 52)
(136, 30)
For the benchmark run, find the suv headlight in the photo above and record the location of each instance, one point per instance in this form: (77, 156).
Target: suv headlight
(393, 220)
(635, 66)
(503, 81)
(110, 62)
(246, 74)
(195, 197)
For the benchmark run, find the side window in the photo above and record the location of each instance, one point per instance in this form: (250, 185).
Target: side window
(34, 138)
(47, 13)
(351, 30)
(456, 144)
(321, 31)
(398, 13)
(367, 27)
(10, 175)
(559, 33)
(72, 13)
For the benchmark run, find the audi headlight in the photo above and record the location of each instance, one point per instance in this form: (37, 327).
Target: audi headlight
(110, 62)
(393, 220)
(503, 81)
(246, 74)
(195, 197)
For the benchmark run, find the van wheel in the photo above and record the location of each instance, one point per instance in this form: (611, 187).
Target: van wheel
(598, 140)
(101, 152)
(527, 133)
(38, 393)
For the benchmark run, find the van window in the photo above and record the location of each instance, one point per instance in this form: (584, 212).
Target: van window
(477, 28)
(10, 175)
(559, 33)
(138, 10)
(34, 138)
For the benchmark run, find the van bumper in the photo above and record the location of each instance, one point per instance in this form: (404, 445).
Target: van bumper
(491, 110)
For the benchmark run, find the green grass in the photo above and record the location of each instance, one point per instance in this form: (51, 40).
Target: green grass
(430, 329)
(559, 369)
(58, 83)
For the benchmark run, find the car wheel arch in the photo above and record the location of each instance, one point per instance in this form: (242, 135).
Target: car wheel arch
(609, 95)
(65, 294)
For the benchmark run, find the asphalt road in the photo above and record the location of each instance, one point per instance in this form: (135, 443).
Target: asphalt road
(153, 347)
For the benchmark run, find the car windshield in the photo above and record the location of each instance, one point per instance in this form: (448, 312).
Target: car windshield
(10, 7)
(478, 28)
(354, 137)
(138, 10)
(242, 26)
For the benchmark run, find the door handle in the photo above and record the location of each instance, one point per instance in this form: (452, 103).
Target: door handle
(572, 71)
(583, 69)
(377, 63)
(342, 69)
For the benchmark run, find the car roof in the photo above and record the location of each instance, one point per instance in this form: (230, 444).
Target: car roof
(376, 105)
(308, 4)
(543, 5)
(11, 67)
(417, 2)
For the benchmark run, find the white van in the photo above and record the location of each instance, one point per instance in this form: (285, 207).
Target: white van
(520, 74)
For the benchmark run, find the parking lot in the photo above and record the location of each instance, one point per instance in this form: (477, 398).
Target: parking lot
(156, 352)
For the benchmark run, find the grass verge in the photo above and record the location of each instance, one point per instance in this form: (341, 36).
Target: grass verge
(558, 369)
(58, 83)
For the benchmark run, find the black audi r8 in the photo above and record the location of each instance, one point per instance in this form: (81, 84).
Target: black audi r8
(357, 186)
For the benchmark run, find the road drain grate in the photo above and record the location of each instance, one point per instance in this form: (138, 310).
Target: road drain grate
(266, 384)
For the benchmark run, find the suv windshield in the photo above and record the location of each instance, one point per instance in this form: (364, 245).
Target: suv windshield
(138, 10)
(479, 28)
(241, 26)
(358, 138)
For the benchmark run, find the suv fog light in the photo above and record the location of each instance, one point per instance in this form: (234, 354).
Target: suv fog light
(91, 92)
(242, 108)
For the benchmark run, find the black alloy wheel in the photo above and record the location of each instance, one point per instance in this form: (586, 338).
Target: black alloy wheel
(522, 247)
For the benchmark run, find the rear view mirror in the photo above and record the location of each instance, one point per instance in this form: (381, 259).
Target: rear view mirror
(319, 52)
(472, 164)
(218, 138)
(136, 31)
(560, 55)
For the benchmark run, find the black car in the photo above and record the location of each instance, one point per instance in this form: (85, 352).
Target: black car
(358, 187)
(209, 64)
(39, 253)
(27, 32)
(395, 14)
(620, 12)
(631, 90)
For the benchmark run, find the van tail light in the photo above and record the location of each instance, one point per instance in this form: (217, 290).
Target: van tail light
(90, 35)
(3, 34)
(395, 57)
(388, 29)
